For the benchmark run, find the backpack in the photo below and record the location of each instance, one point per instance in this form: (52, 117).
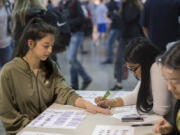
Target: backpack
(87, 23)
(53, 17)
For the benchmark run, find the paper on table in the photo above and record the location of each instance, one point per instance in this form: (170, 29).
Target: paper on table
(125, 108)
(113, 130)
(52, 118)
(38, 133)
(90, 95)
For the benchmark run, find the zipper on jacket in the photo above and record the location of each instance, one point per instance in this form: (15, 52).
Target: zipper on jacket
(39, 101)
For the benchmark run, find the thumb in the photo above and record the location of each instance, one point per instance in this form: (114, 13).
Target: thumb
(162, 122)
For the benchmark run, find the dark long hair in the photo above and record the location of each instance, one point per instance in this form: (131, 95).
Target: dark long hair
(171, 58)
(141, 51)
(35, 30)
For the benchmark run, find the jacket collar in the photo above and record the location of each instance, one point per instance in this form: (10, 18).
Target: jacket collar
(22, 64)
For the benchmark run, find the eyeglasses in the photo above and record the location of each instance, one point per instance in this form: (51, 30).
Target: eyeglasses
(133, 69)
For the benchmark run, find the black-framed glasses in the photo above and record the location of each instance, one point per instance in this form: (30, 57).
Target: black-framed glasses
(133, 69)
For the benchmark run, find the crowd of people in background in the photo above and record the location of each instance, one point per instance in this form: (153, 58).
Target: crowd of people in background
(123, 20)
(142, 30)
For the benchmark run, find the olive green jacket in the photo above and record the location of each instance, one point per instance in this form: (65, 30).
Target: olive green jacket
(24, 96)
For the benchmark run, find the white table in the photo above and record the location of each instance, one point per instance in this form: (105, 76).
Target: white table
(87, 126)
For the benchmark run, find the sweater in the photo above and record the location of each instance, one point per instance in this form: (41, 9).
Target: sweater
(160, 94)
(23, 96)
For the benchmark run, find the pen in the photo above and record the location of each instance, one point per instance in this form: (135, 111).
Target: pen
(106, 95)
(141, 125)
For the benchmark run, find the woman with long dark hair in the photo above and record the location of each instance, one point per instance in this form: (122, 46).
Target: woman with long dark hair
(31, 82)
(170, 62)
(151, 92)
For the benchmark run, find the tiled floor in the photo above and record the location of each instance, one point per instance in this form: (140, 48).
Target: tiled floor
(102, 75)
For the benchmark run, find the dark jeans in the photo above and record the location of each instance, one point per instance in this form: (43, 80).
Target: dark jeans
(5, 55)
(118, 68)
(113, 36)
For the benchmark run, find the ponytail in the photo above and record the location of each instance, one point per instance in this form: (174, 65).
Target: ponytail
(36, 29)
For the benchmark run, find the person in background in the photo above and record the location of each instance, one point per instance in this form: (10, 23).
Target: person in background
(26, 10)
(129, 13)
(170, 62)
(52, 4)
(23, 12)
(101, 20)
(2, 130)
(161, 26)
(39, 82)
(72, 11)
(11, 1)
(114, 31)
(44, 3)
(92, 7)
(150, 93)
(5, 32)
(55, 3)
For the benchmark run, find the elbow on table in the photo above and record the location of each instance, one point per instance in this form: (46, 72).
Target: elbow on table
(161, 110)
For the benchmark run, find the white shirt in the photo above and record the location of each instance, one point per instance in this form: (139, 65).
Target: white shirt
(161, 95)
(101, 12)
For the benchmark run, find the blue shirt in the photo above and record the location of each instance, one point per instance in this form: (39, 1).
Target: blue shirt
(161, 19)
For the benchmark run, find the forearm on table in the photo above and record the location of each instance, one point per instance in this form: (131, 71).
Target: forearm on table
(80, 102)
(117, 102)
